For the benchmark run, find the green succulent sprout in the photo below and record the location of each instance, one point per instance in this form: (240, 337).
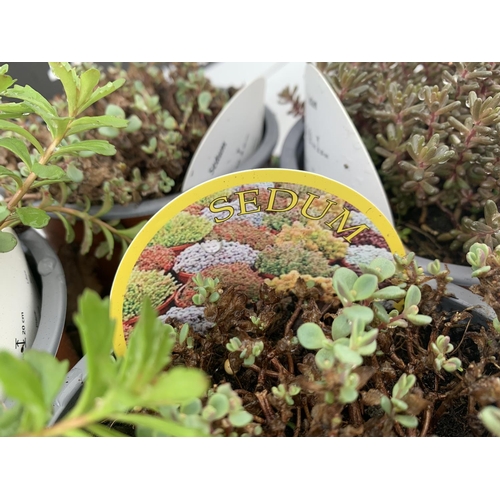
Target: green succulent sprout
(222, 404)
(27, 198)
(395, 406)
(441, 347)
(249, 349)
(286, 394)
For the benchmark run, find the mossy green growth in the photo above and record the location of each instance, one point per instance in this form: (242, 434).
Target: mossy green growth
(154, 284)
(292, 256)
(181, 229)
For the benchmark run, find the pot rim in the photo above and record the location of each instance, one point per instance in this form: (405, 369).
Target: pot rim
(53, 293)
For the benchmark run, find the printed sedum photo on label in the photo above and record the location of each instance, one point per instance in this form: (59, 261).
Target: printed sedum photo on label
(245, 235)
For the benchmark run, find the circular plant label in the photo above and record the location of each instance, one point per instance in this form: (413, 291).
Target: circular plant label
(242, 230)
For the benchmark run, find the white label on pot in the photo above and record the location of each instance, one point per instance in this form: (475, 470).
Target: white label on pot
(231, 138)
(332, 145)
(19, 302)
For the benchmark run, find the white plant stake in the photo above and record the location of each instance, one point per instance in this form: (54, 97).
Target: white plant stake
(227, 144)
(332, 145)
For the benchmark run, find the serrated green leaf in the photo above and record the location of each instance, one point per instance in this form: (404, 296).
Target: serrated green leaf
(51, 373)
(13, 110)
(94, 325)
(102, 92)
(33, 217)
(21, 383)
(68, 78)
(94, 146)
(13, 127)
(18, 148)
(88, 81)
(148, 351)
(10, 420)
(4, 213)
(178, 385)
(92, 122)
(70, 232)
(5, 172)
(34, 100)
(7, 242)
(48, 171)
(5, 82)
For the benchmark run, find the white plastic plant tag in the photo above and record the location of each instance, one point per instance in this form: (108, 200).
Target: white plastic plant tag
(332, 145)
(19, 302)
(231, 138)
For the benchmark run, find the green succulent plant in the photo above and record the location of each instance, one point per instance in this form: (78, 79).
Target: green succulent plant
(181, 229)
(166, 115)
(315, 238)
(289, 256)
(432, 131)
(154, 284)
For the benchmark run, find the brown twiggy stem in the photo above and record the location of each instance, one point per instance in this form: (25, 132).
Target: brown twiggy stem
(288, 328)
(427, 420)
(264, 404)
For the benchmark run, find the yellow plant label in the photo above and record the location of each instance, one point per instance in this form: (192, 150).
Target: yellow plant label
(245, 229)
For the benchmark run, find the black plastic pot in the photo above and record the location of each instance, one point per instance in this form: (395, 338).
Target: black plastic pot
(292, 157)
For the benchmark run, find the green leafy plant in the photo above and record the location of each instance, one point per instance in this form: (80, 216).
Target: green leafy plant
(36, 168)
(129, 390)
(167, 115)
